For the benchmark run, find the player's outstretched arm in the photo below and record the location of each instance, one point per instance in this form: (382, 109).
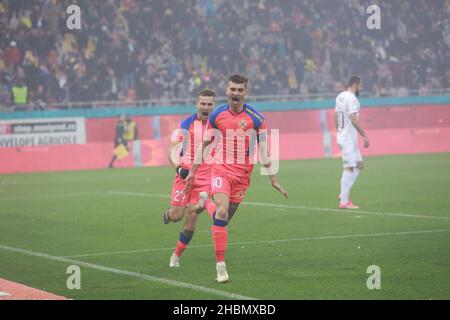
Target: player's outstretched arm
(277, 185)
(359, 128)
(267, 163)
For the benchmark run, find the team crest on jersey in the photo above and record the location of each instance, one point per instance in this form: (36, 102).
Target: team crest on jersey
(242, 124)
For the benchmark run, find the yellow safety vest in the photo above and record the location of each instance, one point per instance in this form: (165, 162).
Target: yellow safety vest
(20, 95)
(130, 131)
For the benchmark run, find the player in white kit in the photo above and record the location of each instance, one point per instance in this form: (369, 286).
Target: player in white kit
(348, 126)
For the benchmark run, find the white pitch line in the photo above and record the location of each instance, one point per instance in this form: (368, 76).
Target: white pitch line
(394, 214)
(284, 206)
(133, 251)
(4, 294)
(138, 275)
(55, 195)
(138, 194)
(332, 237)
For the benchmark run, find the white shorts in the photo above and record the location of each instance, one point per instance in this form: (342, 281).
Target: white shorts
(350, 154)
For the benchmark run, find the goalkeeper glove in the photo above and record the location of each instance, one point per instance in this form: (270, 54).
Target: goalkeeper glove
(182, 172)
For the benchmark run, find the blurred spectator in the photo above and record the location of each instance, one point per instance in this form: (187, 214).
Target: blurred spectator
(40, 98)
(12, 54)
(131, 130)
(134, 49)
(19, 95)
(120, 144)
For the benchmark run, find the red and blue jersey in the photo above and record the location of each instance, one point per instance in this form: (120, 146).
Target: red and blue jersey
(249, 125)
(191, 141)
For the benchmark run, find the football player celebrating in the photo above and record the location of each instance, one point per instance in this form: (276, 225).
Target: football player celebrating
(181, 156)
(232, 168)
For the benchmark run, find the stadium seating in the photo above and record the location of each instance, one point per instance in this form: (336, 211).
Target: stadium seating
(137, 50)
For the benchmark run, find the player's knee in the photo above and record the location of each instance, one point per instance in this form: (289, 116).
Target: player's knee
(176, 214)
(360, 165)
(189, 226)
(176, 218)
(222, 212)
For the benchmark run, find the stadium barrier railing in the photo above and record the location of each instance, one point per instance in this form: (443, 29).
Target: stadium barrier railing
(190, 101)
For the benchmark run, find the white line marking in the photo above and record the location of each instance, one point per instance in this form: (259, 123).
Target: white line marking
(284, 206)
(332, 237)
(261, 204)
(138, 275)
(53, 178)
(134, 251)
(55, 195)
(4, 294)
(340, 211)
(137, 194)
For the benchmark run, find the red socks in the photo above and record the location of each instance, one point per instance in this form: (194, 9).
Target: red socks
(180, 248)
(219, 235)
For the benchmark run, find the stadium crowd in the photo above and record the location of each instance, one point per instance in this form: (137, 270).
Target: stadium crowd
(131, 50)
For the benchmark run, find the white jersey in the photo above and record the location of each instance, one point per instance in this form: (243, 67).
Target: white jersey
(346, 104)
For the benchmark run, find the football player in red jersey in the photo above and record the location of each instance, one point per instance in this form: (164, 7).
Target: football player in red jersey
(181, 156)
(233, 165)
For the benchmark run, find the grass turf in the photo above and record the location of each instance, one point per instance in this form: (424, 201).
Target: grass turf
(323, 255)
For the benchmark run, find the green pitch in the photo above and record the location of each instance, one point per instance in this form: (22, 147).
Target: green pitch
(108, 222)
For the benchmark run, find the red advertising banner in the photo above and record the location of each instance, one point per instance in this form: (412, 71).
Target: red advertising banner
(303, 134)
